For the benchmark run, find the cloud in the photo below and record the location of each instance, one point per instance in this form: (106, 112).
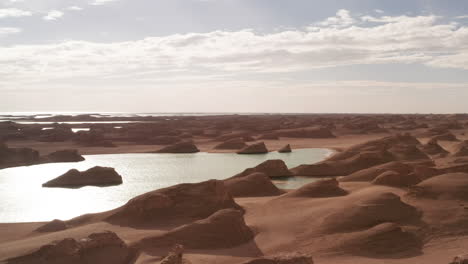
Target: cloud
(102, 2)
(53, 15)
(14, 12)
(342, 19)
(9, 30)
(74, 8)
(338, 41)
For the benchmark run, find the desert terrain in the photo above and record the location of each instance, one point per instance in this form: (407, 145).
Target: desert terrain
(394, 191)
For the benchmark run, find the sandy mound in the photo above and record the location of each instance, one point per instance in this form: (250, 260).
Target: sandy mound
(224, 229)
(68, 155)
(11, 157)
(97, 248)
(182, 147)
(362, 156)
(396, 179)
(460, 259)
(164, 140)
(53, 226)
(368, 211)
(175, 256)
(461, 149)
(272, 168)
(322, 188)
(290, 258)
(445, 137)
(253, 185)
(363, 127)
(371, 173)
(345, 166)
(447, 186)
(285, 149)
(383, 240)
(407, 152)
(257, 148)
(96, 176)
(182, 202)
(305, 133)
(244, 135)
(272, 136)
(433, 148)
(234, 143)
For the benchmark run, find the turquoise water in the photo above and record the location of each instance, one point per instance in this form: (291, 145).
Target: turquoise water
(24, 200)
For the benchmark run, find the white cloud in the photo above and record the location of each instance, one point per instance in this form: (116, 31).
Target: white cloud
(74, 8)
(102, 2)
(338, 41)
(13, 12)
(462, 17)
(53, 15)
(342, 19)
(9, 30)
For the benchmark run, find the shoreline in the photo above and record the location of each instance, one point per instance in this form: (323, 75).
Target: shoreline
(352, 218)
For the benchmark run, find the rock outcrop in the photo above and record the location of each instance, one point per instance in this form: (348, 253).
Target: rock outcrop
(224, 229)
(371, 173)
(386, 239)
(182, 147)
(396, 179)
(96, 176)
(257, 148)
(234, 143)
(67, 155)
(445, 137)
(461, 149)
(12, 157)
(450, 186)
(460, 259)
(53, 226)
(285, 149)
(175, 255)
(272, 168)
(180, 203)
(362, 156)
(369, 211)
(97, 248)
(432, 147)
(253, 185)
(318, 189)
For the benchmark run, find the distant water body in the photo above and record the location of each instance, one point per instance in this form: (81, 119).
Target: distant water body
(38, 115)
(24, 200)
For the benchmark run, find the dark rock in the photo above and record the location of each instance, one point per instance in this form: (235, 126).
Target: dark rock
(96, 176)
(182, 147)
(97, 248)
(68, 155)
(285, 149)
(257, 148)
(256, 184)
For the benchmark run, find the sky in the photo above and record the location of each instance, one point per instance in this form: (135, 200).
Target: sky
(279, 56)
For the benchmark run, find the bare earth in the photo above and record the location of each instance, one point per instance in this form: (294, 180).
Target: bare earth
(418, 217)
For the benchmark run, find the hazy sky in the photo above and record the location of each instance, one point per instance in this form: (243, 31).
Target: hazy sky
(234, 55)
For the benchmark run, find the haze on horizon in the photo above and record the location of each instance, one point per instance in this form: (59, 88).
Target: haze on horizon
(358, 56)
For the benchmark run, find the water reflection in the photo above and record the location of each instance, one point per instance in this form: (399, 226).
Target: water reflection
(23, 199)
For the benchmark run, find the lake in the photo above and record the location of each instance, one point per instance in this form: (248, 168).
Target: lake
(23, 199)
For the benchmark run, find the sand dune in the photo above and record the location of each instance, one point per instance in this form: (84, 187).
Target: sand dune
(398, 201)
